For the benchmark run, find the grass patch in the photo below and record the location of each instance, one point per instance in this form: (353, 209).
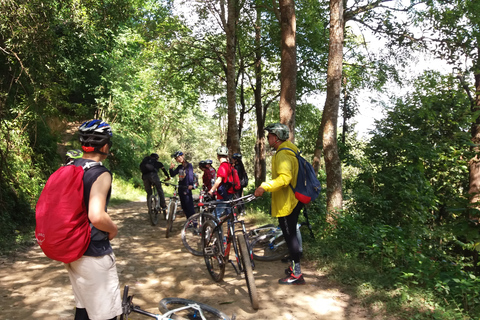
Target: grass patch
(123, 191)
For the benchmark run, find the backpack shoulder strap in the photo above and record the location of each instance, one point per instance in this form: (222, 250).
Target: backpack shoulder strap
(89, 165)
(297, 154)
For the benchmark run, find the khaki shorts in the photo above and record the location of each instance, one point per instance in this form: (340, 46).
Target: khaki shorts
(95, 286)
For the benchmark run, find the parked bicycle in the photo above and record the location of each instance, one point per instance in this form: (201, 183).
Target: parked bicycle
(171, 209)
(173, 308)
(216, 247)
(268, 243)
(192, 229)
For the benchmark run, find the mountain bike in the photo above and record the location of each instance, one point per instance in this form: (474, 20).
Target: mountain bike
(173, 308)
(192, 229)
(171, 209)
(216, 248)
(153, 204)
(268, 243)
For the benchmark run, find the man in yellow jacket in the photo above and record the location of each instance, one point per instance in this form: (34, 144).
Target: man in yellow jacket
(284, 204)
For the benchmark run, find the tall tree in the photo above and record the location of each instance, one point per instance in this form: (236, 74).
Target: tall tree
(330, 111)
(288, 66)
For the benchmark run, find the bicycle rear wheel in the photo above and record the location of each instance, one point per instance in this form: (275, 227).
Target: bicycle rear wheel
(153, 210)
(269, 247)
(213, 250)
(248, 271)
(260, 231)
(210, 313)
(171, 213)
(192, 232)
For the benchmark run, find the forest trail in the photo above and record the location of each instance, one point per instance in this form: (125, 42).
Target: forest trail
(35, 287)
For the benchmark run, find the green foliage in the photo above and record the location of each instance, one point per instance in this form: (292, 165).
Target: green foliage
(406, 209)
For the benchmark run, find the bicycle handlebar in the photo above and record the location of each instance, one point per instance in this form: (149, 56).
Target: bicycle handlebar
(242, 200)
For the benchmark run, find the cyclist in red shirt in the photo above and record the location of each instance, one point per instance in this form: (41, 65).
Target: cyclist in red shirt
(222, 175)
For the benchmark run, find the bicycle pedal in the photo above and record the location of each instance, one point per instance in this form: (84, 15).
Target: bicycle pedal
(209, 251)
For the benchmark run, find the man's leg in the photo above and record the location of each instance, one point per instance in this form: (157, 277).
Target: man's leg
(288, 225)
(148, 188)
(161, 195)
(189, 208)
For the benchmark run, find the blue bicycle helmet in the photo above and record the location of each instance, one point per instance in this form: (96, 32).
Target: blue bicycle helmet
(177, 154)
(94, 134)
(237, 156)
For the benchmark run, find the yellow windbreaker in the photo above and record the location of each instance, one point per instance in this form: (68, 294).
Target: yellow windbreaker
(284, 172)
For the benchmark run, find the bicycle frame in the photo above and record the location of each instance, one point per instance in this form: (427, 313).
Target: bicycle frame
(231, 240)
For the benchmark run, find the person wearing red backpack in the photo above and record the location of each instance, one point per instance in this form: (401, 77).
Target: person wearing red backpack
(94, 276)
(285, 205)
(220, 184)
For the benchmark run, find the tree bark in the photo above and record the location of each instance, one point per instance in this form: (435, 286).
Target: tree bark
(260, 162)
(288, 67)
(330, 112)
(233, 142)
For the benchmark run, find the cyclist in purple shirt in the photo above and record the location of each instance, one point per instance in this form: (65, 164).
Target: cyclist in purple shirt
(185, 182)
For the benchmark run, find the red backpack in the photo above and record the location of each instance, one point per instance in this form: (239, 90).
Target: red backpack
(234, 180)
(232, 184)
(63, 230)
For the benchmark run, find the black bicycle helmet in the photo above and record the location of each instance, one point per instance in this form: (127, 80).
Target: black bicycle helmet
(155, 156)
(94, 134)
(237, 156)
(202, 164)
(177, 154)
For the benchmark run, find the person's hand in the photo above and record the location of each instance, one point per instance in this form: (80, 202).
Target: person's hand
(172, 165)
(259, 192)
(190, 187)
(168, 179)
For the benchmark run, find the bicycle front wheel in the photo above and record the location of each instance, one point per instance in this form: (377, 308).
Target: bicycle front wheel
(269, 247)
(213, 250)
(192, 232)
(153, 210)
(171, 213)
(248, 271)
(210, 313)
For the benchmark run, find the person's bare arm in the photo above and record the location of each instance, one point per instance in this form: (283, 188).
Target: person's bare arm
(217, 184)
(96, 206)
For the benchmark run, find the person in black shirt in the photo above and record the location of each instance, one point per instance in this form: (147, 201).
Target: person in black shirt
(94, 276)
(149, 167)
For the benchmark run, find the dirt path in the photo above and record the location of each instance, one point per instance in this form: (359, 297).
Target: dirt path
(34, 287)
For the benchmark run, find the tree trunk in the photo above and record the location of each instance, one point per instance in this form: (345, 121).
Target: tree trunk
(233, 142)
(288, 67)
(317, 153)
(330, 112)
(260, 162)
